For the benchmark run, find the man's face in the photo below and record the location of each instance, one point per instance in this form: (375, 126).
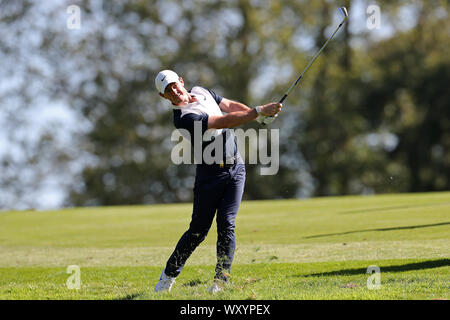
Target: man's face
(176, 93)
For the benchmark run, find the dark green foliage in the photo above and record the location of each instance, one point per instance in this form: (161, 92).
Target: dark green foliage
(370, 117)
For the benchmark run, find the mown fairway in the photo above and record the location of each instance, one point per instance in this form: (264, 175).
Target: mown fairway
(287, 249)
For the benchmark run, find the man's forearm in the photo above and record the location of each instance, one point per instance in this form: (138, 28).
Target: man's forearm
(232, 119)
(229, 106)
(237, 106)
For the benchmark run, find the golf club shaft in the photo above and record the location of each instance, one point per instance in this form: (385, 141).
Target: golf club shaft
(310, 63)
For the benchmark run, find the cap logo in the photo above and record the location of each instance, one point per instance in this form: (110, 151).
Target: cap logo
(163, 78)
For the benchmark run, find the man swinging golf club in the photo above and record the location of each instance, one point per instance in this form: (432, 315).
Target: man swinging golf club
(218, 187)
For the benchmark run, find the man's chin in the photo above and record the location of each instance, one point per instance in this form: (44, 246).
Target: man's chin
(179, 102)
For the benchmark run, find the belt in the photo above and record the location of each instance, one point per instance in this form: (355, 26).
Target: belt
(229, 162)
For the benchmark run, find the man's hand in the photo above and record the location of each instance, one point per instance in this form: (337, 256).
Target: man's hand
(269, 120)
(260, 119)
(265, 120)
(268, 113)
(271, 109)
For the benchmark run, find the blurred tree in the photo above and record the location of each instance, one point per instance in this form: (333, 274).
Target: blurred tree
(409, 96)
(213, 44)
(370, 116)
(34, 154)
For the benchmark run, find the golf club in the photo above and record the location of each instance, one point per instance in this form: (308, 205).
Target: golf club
(344, 14)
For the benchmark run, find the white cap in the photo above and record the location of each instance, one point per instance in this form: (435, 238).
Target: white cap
(164, 78)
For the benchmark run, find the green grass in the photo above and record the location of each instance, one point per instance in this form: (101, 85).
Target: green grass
(287, 249)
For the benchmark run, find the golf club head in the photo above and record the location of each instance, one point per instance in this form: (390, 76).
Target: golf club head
(343, 12)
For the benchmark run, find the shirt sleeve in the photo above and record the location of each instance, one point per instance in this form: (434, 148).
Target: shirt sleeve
(215, 96)
(189, 120)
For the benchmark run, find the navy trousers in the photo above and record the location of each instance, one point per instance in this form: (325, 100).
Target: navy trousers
(215, 190)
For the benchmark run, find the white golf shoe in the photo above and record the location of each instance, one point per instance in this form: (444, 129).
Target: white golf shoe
(215, 288)
(165, 283)
(218, 286)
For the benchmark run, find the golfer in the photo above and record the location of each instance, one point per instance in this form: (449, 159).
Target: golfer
(218, 187)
